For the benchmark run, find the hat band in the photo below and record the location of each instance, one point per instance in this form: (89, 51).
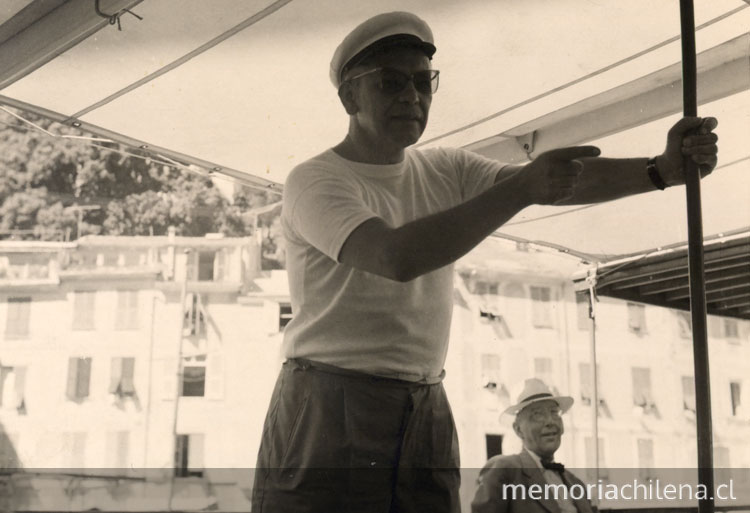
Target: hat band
(536, 396)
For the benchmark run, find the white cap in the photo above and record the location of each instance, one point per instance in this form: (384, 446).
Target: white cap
(391, 28)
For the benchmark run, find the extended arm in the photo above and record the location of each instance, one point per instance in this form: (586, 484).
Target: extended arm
(402, 253)
(605, 179)
(405, 252)
(563, 176)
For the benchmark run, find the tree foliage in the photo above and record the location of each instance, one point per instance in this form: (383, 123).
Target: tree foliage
(51, 186)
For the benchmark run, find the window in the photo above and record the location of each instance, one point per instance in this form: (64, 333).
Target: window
(584, 370)
(715, 327)
(79, 375)
(189, 455)
(498, 323)
(541, 302)
(494, 444)
(685, 324)
(731, 329)
(514, 290)
(483, 288)
(543, 371)
(12, 385)
(490, 367)
(17, 321)
(127, 310)
(688, 393)
(194, 324)
(193, 376)
(591, 462)
(83, 310)
(211, 265)
(8, 451)
(734, 392)
(118, 450)
(721, 457)
(645, 458)
(121, 378)
(200, 375)
(719, 327)
(74, 449)
(636, 318)
(583, 308)
(642, 390)
(285, 315)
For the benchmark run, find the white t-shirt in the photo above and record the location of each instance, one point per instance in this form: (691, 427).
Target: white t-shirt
(358, 320)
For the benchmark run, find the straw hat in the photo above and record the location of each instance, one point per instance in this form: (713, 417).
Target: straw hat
(534, 390)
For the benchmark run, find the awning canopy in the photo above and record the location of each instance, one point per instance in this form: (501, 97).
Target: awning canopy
(660, 277)
(240, 89)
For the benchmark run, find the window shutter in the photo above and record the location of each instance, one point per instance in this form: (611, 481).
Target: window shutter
(20, 386)
(123, 449)
(84, 377)
(115, 381)
(541, 307)
(585, 373)
(215, 376)
(17, 322)
(200, 328)
(219, 265)
(181, 455)
(195, 452)
(118, 450)
(688, 393)
(71, 388)
(84, 303)
(642, 387)
(127, 386)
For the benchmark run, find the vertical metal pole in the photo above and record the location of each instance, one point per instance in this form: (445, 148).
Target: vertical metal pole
(695, 261)
(181, 323)
(594, 381)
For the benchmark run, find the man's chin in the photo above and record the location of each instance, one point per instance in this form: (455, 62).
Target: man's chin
(408, 138)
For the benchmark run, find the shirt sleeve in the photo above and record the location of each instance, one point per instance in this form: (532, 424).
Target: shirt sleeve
(476, 173)
(322, 209)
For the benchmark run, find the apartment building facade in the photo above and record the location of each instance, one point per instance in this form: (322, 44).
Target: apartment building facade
(133, 356)
(124, 354)
(518, 314)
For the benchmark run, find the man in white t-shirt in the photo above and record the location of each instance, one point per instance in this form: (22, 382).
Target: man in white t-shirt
(359, 420)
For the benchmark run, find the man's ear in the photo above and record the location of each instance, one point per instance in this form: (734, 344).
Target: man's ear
(346, 95)
(517, 428)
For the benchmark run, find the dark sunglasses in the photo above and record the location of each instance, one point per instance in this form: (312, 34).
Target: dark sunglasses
(393, 81)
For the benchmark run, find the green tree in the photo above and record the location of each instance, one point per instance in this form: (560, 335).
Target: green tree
(50, 186)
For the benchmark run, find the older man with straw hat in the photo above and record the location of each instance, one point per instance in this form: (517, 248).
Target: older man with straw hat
(532, 481)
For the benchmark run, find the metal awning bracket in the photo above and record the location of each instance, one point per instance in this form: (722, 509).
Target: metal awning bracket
(526, 142)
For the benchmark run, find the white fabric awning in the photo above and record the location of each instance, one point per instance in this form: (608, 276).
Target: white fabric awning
(242, 86)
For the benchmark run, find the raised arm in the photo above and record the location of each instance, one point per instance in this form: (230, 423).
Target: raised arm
(563, 176)
(604, 179)
(402, 253)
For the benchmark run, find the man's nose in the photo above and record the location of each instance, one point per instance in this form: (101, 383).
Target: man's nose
(409, 93)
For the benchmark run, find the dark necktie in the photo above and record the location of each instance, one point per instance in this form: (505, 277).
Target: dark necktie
(551, 465)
